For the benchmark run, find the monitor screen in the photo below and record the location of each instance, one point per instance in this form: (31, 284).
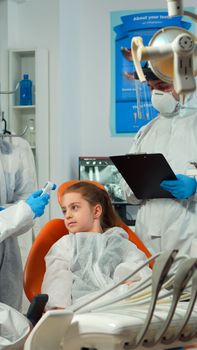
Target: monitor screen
(102, 170)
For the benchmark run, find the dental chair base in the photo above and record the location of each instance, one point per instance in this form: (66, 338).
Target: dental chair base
(60, 329)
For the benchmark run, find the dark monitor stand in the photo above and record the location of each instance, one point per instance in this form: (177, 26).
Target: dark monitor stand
(121, 209)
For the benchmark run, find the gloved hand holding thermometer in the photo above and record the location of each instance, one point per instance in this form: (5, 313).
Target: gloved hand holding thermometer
(39, 199)
(48, 186)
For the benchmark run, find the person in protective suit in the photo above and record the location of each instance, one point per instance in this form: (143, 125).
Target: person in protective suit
(169, 223)
(16, 220)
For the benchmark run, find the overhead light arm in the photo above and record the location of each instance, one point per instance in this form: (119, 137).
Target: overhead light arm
(175, 8)
(176, 46)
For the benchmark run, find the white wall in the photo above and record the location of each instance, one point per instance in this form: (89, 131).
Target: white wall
(77, 34)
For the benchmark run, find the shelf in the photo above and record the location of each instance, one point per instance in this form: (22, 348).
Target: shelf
(35, 63)
(24, 107)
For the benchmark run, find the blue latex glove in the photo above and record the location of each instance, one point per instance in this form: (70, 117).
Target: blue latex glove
(183, 187)
(37, 202)
(2, 208)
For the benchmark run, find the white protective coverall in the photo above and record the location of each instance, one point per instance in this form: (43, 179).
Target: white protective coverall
(168, 223)
(15, 220)
(83, 263)
(14, 328)
(17, 181)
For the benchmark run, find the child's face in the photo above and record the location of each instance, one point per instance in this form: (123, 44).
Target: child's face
(79, 215)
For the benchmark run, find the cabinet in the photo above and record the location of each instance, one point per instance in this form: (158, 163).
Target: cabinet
(31, 122)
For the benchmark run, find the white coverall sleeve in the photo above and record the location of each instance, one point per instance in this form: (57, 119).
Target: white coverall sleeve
(15, 220)
(26, 181)
(14, 327)
(57, 282)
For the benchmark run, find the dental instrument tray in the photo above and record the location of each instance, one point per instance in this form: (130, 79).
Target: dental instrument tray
(144, 172)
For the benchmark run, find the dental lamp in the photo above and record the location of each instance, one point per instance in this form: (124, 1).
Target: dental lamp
(171, 53)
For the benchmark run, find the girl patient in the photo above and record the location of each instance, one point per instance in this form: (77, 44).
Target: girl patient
(94, 255)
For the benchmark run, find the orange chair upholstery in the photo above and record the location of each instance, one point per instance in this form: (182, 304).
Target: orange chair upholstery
(35, 265)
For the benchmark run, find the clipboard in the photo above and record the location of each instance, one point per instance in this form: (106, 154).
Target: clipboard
(144, 172)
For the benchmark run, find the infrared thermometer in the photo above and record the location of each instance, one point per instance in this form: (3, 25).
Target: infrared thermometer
(49, 186)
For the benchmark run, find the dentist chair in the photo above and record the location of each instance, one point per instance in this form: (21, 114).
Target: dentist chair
(48, 235)
(51, 328)
(110, 329)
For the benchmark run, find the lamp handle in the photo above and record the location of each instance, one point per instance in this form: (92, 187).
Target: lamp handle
(136, 44)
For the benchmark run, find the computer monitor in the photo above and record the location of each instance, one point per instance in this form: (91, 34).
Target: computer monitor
(102, 170)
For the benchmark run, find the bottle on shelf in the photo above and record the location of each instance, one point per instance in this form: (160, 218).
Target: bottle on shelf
(25, 91)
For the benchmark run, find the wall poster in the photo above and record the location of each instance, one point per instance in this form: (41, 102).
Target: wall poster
(129, 113)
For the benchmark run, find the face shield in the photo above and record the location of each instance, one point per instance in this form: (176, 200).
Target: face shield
(143, 109)
(164, 98)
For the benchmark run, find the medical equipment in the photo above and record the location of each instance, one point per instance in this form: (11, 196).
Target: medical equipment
(39, 199)
(171, 53)
(117, 322)
(156, 317)
(37, 202)
(49, 186)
